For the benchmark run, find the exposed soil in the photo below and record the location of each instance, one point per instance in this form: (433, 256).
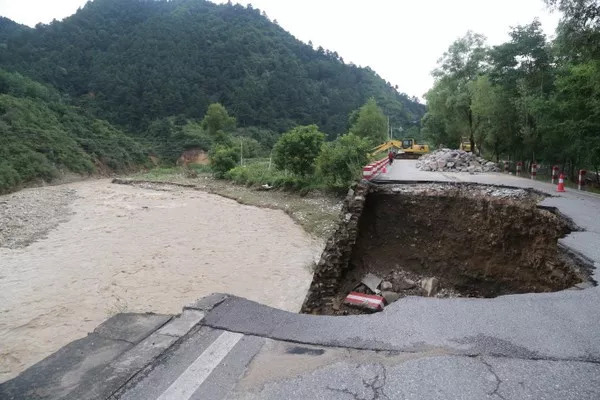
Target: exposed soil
(477, 241)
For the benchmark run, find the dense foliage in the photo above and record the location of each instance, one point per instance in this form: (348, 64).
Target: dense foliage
(340, 162)
(369, 122)
(222, 159)
(528, 99)
(134, 61)
(301, 160)
(297, 150)
(40, 136)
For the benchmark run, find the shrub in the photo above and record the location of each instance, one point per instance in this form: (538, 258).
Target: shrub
(9, 178)
(222, 159)
(297, 150)
(340, 162)
(259, 174)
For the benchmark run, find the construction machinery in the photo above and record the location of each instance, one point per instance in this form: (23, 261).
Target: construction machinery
(403, 149)
(465, 144)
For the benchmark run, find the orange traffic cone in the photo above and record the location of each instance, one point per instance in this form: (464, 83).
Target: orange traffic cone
(561, 183)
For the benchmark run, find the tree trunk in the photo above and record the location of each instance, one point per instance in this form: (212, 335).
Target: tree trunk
(471, 135)
(496, 151)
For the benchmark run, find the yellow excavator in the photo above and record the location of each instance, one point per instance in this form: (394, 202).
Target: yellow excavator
(404, 149)
(465, 144)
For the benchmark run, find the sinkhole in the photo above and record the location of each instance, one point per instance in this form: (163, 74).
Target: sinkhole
(468, 240)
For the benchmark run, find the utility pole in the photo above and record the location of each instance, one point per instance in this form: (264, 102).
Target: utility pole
(270, 158)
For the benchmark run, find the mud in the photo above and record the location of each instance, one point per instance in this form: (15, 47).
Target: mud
(478, 241)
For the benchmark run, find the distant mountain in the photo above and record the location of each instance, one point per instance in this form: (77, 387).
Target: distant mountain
(136, 61)
(10, 29)
(42, 137)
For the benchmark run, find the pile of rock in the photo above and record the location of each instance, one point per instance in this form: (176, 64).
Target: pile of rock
(448, 160)
(397, 285)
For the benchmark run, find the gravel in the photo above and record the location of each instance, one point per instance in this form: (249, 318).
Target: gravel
(464, 189)
(447, 160)
(29, 215)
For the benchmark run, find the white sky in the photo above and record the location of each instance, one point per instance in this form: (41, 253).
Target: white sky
(400, 39)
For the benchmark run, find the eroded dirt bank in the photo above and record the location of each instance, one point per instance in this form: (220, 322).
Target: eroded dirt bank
(443, 240)
(124, 248)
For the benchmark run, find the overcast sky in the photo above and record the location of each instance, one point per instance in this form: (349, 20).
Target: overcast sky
(401, 40)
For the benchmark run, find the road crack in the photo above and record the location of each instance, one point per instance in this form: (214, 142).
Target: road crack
(498, 380)
(376, 385)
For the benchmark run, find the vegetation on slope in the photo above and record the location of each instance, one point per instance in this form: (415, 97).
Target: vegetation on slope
(40, 136)
(134, 61)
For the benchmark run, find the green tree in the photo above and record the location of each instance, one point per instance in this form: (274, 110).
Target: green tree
(370, 122)
(222, 159)
(578, 32)
(574, 129)
(249, 148)
(297, 149)
(526, 99)
(218, 123)
(492, 106)
(340, 162)
(460, 64)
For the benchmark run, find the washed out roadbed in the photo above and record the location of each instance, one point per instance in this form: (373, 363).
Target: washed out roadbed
(443, 240)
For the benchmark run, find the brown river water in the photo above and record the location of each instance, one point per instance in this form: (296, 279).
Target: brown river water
(131, 249)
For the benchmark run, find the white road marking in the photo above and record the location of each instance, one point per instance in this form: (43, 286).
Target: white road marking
(190, 380)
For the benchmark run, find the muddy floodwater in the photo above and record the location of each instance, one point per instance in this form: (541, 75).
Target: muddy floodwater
(114, 248)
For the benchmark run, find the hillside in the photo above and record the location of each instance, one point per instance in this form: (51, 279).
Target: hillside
(41, 136)
(134, 61)
(10, 29)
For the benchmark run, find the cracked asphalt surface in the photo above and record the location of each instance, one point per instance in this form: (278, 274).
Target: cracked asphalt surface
(439, 377)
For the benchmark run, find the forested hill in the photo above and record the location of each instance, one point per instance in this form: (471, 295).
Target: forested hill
(135, 61)
(41, 136)
(9, 29)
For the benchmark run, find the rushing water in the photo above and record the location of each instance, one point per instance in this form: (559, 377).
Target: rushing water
(134, 249)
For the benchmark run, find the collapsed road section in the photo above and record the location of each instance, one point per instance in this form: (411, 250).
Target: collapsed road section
(443, 240)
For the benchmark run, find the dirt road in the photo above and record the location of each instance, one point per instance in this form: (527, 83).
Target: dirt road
(118, 248)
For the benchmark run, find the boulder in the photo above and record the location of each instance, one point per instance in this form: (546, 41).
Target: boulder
(430, 285)
(404, 284)
(389, 296)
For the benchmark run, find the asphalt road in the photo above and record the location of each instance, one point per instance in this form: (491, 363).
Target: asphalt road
(528, 346)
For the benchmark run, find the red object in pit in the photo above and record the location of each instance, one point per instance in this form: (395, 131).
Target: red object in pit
(366, 301)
